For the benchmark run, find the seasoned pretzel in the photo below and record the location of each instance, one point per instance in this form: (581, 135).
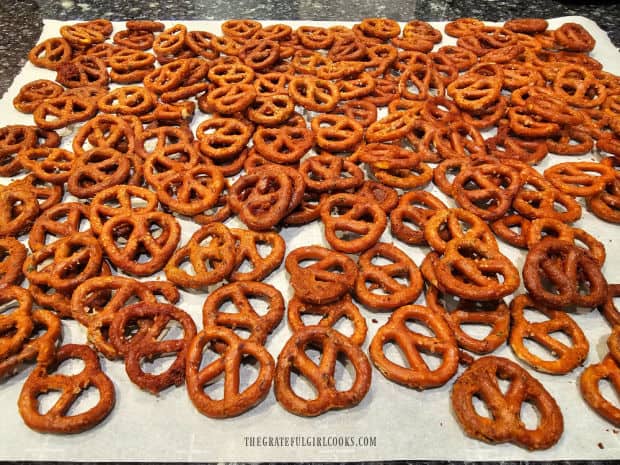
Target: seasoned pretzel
(580, 178)
(245, 316)
(235, 402)
(322, 376)
(469, 269)
(137, 232)
(565, 357)
(505, 424)
(119, 200)
(247, 245)
(43, 379)
(567, 268)
(493, 314)
(456, 223)
(95, 302)
(608, 308)
(325, 173)
(211, 252)
(366, 221)
(331, 314)
(61, 220)
(416, 373)
(327, 279)
(50, 53)
(12, 257)
(371, 277)
(150, 342)
(608, 369)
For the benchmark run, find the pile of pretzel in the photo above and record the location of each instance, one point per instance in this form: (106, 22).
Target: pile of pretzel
(142, 158)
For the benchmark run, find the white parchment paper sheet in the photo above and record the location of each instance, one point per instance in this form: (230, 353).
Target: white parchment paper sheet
(407, 424)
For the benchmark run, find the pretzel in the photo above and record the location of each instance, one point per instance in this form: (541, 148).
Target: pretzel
(247, 250)
(38, 347)
(50, 53)
(228, 139)
(505, 424)
(512, 229)
(538, 198)
(84, 70)
(392, 127)
(328, 279)
(574, 37)
(568, 268)
(245, 316)
(62, 220)
(565, 357)
(414, 209)
(365, 220)
(16, 325)
(416, 374)
(42, 380)
(97, 170)
(324, 173)
(45, 195)
(241, 28)
(74, 259)
(577, 179)
(234, 402)
(211, 261)
(608, 308)
(106, 132)
(322, 376)
(33, 93)
(150, 343)
(261, 198)
(473, 92)
(130, 200)
(493, 314)
(283, 144)
(331, 314)
(271, 110)
(136, 230)
(455, 223)
(12, 257)
(14, 139)
(469, 269)
(95, 302)
(493, 185)
(371, 277)
(387, 156)
(193, 191)
(608, 369)
(314, 94)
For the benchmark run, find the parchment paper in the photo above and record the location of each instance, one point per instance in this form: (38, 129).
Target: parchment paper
(403, 423)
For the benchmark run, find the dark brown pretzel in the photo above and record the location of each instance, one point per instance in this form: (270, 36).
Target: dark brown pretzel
(149, 342)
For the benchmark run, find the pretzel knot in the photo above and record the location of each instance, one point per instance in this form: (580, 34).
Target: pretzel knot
(235, 401)
(417, 374)
(43, 380)
(293, 358)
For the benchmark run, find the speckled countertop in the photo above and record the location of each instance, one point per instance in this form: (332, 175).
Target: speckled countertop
(21, 21)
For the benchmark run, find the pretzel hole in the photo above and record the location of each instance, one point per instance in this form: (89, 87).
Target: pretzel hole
(538, 350)
(478, 331)
(562, 337)
(380, 260)
(7, 308)
(302, 387)
(609, 393)
(249, 369)
(260, 305)
(481, 408)
(47, 400)
(344, 373)
(394, 354)
(156, 364)
(70, 367)
(172, 331)
(344, 326)
(529, 415)
(532, 315)
(87, 400)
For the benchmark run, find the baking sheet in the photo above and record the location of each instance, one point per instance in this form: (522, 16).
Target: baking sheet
(392, 422)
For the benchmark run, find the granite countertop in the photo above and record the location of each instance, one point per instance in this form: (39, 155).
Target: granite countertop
(21, 21)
